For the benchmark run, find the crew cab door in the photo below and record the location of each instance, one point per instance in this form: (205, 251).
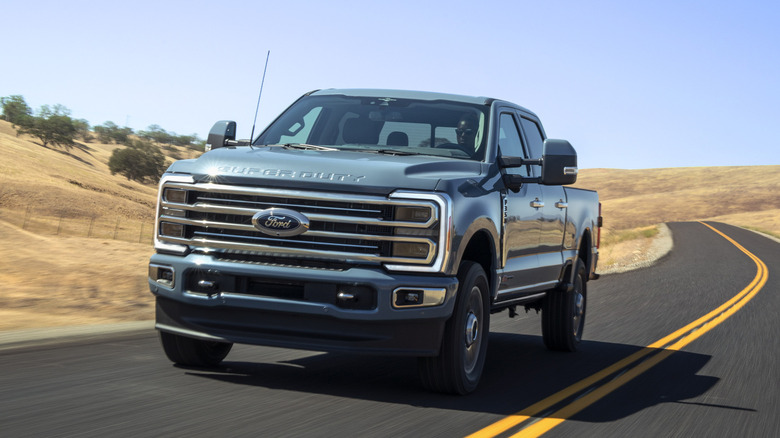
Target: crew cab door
(554, 210)
(522, 216)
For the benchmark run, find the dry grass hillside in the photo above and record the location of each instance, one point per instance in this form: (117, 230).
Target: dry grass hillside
(75, 239)
(74, 183)
(742, 195)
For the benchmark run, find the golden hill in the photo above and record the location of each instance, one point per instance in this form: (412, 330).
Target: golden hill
(741, 195)
(72, 183)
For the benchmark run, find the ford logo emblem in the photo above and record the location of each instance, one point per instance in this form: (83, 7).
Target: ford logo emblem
(280, 222)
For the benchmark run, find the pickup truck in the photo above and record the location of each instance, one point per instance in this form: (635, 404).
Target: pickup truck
(374, 221)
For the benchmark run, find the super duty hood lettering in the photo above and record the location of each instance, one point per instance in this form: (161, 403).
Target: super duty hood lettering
(287, 173)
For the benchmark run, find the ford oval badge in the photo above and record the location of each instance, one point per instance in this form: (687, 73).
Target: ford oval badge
(280, 222)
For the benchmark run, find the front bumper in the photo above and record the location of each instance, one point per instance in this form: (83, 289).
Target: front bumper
(311, 322)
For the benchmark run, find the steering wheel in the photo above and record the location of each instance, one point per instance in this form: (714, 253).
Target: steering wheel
(456, 146)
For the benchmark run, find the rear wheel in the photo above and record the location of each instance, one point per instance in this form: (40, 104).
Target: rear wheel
(459, 365)
(193, 352)
(563, 314)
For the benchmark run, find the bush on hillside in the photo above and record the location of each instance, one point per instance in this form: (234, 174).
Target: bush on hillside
(141, 161)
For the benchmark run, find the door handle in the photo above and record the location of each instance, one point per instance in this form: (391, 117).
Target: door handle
(560, 204)
(536, 203)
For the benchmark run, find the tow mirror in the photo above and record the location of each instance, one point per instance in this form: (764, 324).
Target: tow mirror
(559, 163)
(220, 134)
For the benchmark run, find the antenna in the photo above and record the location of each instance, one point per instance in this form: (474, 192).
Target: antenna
(262, 82)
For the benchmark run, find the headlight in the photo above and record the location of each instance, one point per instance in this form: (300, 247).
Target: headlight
(412, 214)
(427, 223)
(177, 196)
(171, 230)
(411, 250)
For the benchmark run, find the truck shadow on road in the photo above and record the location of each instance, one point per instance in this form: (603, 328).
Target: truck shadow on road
(519, 372)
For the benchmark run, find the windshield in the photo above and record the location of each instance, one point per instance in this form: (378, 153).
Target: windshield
(383, 124)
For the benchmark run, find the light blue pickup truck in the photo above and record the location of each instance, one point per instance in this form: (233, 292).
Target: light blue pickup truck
(375, 221)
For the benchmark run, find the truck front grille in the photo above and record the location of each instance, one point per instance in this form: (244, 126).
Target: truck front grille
(405, 230)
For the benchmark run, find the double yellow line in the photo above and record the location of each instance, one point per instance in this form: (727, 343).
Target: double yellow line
(544, 415)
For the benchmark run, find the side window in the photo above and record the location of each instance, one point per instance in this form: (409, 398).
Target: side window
(509, 141)
(534, 136)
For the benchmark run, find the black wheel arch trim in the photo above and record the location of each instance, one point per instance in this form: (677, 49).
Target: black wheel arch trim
(481, 226)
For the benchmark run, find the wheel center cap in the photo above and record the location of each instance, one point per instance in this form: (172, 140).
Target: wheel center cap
(472, 329)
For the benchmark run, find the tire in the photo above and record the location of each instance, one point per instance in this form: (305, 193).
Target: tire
(458, 367)
(563, 314)
(193, 352)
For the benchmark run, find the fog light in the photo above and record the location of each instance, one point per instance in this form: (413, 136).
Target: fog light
(163, 275)
(412, 297)
(407, 297)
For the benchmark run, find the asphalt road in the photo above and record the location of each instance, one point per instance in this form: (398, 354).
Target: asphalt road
(723, 383)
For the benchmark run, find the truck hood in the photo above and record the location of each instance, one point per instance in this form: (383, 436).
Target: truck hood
(332, 170)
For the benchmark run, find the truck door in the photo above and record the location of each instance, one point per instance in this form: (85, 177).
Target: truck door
(554, 210)
(523, 216)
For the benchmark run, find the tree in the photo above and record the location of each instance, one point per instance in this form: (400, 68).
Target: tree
(15, 109)
(156, 134)
(184, 140)
(82, 129)
(140, 161)
(52, 126)
(109, 132)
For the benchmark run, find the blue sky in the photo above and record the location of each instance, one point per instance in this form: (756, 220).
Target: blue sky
(631, 84)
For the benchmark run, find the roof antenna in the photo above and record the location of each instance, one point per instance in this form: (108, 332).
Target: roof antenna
(262, 82)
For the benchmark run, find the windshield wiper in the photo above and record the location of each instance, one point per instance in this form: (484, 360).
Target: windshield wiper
(388, 151)
(307, 147)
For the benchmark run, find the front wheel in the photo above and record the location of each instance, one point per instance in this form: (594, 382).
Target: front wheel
(563, 314)
(193, 352)
(459, 365)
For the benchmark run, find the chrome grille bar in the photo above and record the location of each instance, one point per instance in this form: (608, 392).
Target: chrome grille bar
(330, 234)
(282, 193)
(261, 205)
(210, 208)
(208, 244)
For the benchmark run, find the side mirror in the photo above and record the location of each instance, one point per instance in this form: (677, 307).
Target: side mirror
(220, 134)
(559, 163)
